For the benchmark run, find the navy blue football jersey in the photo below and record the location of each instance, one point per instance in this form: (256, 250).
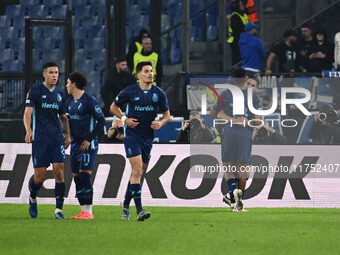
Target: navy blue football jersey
(83, 114)
(142, 105)
(227, 101)
(47, 105)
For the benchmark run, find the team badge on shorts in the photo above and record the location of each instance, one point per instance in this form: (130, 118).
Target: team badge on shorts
(129, 151)
(155, 97)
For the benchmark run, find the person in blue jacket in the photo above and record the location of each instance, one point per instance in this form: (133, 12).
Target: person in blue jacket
(251, 48)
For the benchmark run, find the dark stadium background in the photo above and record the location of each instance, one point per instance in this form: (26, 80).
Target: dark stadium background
(86, 35)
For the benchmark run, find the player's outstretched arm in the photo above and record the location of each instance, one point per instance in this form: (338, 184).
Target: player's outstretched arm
(27, 124)
(65, 125)
(155, 125)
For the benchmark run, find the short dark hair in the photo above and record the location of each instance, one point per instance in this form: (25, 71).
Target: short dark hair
(306, 25)
(49, 64)
(140, 65)
(320, 31)
(240, 75)
(289, 32)
(79, 79)
(141, 34)
(146, 37)
(255, 79)
(119, 59)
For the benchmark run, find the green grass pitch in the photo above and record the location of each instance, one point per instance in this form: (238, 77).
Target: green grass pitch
(171, 230)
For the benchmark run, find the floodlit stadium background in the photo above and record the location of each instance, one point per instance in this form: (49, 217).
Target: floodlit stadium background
(191, 39)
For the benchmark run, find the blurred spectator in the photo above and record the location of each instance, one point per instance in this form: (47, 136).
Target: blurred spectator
(267, 135)
(252, 50)
(119, 79)
(286, 54)
(302, 46)
(237, 21)
(115, 134)
(320, 53)
(193, 131)
(337, 51)
(253, 82)
(325, 128)
(148, 55)
(251, 11)
(136, 46)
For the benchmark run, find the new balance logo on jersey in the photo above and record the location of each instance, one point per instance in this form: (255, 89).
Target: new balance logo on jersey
(43, 96)
(148, 108)
(50, 106)
(80, 107)
(136, 98)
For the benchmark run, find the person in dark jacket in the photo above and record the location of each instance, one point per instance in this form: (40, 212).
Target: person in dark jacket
(286, 54)
(320, 54)
(119, 80)
(252, 50)
(136, 46)
(303, 45)
(115, 134)
(238, 19)
(323, 130)
(193, 131)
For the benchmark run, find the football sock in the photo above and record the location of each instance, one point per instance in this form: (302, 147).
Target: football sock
(87, 186)
(34, 188)
(58, 210)
(59, 192)
(136, 193)
(243, 191)
(88, 208)
(79, 190)
(232, 186)
(128, 196)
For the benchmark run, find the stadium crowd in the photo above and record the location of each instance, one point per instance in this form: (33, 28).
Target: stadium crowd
(306, 50)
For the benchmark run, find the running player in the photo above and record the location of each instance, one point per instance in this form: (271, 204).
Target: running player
(46, 104)
(142, 103)
(86, 120)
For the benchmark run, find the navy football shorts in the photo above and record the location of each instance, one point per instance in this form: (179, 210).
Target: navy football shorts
(236, 149)
(82, 160)
(48, 151)
(138, 146)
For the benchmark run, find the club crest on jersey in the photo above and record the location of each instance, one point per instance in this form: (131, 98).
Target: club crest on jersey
(43, 96)
(98, 109)
(155, 97)
(59, 98)
(136, 98)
